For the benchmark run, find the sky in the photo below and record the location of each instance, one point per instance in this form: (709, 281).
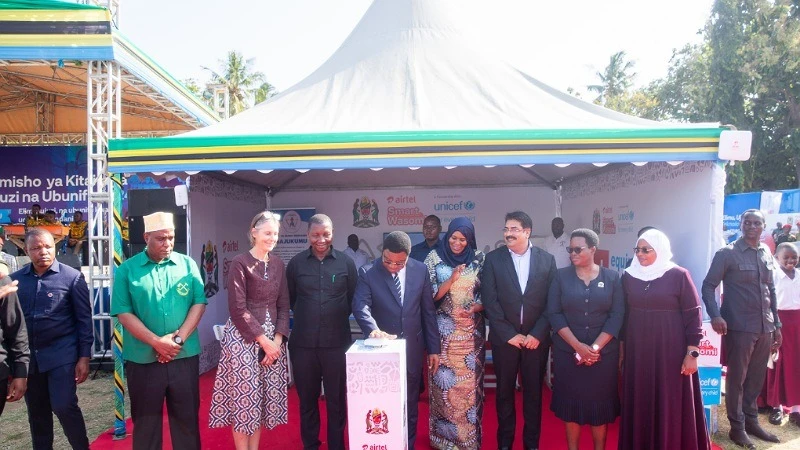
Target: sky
(563, 43)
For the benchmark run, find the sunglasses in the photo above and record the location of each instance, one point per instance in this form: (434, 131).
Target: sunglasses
(644, 250)
(575, 250)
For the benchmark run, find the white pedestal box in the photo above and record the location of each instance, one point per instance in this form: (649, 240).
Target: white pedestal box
(376, 396)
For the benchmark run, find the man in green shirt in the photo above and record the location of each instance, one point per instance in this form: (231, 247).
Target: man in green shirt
(158, 298)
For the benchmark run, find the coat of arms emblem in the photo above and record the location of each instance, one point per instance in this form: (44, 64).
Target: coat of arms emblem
(377, 422)
(365, 213)
(210, 269)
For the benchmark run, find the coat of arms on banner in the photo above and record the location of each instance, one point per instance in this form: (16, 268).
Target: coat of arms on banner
(377, 422)
(210, 269)
(365, 213)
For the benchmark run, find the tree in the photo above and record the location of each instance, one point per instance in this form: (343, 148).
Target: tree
(265, 92)
(242, 82)
(615, 80)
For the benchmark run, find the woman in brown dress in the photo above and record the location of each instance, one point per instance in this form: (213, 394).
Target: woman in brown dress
(250, 391)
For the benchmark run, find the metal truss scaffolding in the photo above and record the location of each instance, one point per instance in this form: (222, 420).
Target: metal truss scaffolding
(104, 112)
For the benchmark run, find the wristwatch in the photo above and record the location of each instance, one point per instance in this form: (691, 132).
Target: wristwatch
(693, 353)
(177, 339)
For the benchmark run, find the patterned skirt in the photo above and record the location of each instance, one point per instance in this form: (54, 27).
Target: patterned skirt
(248, 395)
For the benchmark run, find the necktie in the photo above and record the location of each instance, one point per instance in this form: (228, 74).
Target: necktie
(397, 287)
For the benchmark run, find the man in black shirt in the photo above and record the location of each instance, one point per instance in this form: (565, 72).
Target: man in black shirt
(14, 353)
(321, 283)
(748, 321)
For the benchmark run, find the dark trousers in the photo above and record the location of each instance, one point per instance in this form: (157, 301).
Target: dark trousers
(413, 380)
(508, 362)
(52, 392)
(3, 394)
(746, 355)
(149, 385)
(312, 366)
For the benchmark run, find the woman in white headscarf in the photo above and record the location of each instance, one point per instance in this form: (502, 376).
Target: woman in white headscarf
(662, 407)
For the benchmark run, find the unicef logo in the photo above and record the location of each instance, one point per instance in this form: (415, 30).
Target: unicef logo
(715, 382)
(469, 205)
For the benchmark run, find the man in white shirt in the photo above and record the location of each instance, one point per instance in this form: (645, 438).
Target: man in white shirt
(360, 257)
(557, 244)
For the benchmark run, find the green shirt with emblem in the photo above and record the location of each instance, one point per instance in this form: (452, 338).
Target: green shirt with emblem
(160, 295)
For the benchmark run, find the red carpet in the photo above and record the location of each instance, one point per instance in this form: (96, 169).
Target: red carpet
(288, 436)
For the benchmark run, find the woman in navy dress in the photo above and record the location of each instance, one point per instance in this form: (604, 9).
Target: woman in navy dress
(586, 309)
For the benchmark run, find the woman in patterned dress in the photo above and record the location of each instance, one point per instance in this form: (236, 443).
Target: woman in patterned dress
(252, 377)
(456, 389)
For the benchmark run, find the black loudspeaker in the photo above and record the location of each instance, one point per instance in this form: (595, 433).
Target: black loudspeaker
(142, 202)
(136, 228)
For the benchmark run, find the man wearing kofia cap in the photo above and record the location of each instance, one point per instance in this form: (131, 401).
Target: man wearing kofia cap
(158, 298)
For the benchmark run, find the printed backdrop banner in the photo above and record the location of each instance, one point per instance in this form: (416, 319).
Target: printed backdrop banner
(371, 213)
(219, 218)
(674, 199)
(54, 177)
(294, 231)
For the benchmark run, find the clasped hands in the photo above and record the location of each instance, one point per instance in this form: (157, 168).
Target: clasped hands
(521, 341)
(166, 348)
(589, 354)
(272, 351)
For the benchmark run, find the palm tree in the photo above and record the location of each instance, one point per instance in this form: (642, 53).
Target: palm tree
(265, 92)
(241, 81)
(615, 80)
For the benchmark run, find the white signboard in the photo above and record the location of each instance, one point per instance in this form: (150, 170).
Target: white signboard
(376, 396)
(710, 347)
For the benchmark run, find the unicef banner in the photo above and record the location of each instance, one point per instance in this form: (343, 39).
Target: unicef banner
(53, 177)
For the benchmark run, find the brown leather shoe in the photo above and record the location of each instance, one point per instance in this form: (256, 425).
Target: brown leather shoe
(764, 435)
(740, 438)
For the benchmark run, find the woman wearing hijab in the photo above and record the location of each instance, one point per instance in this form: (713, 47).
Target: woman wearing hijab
(586, 308)
(662, 407)
(456, 389)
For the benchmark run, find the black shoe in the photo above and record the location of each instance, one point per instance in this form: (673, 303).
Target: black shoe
(795, 418)
(764, 435)
(776, 416)
(740, 438)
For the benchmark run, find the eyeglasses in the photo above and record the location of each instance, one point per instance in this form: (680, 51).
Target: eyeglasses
(575, 250)
(431, 227)
(395, 264)
(644, 250)
(514, 230)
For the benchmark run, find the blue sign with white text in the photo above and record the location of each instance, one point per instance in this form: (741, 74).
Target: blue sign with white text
(710, 384)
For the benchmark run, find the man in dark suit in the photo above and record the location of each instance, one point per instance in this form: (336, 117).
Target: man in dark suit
(394, 299)
(514, 284)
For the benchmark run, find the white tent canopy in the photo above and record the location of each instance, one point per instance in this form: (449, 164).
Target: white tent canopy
(413, 65)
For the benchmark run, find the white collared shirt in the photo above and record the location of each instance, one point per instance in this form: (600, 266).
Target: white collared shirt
(557, 246)
(787, 290)
(522, 264)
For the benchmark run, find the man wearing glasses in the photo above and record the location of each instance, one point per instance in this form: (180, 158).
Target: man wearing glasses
(394, 299)
(748, 322)
(514, 284)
